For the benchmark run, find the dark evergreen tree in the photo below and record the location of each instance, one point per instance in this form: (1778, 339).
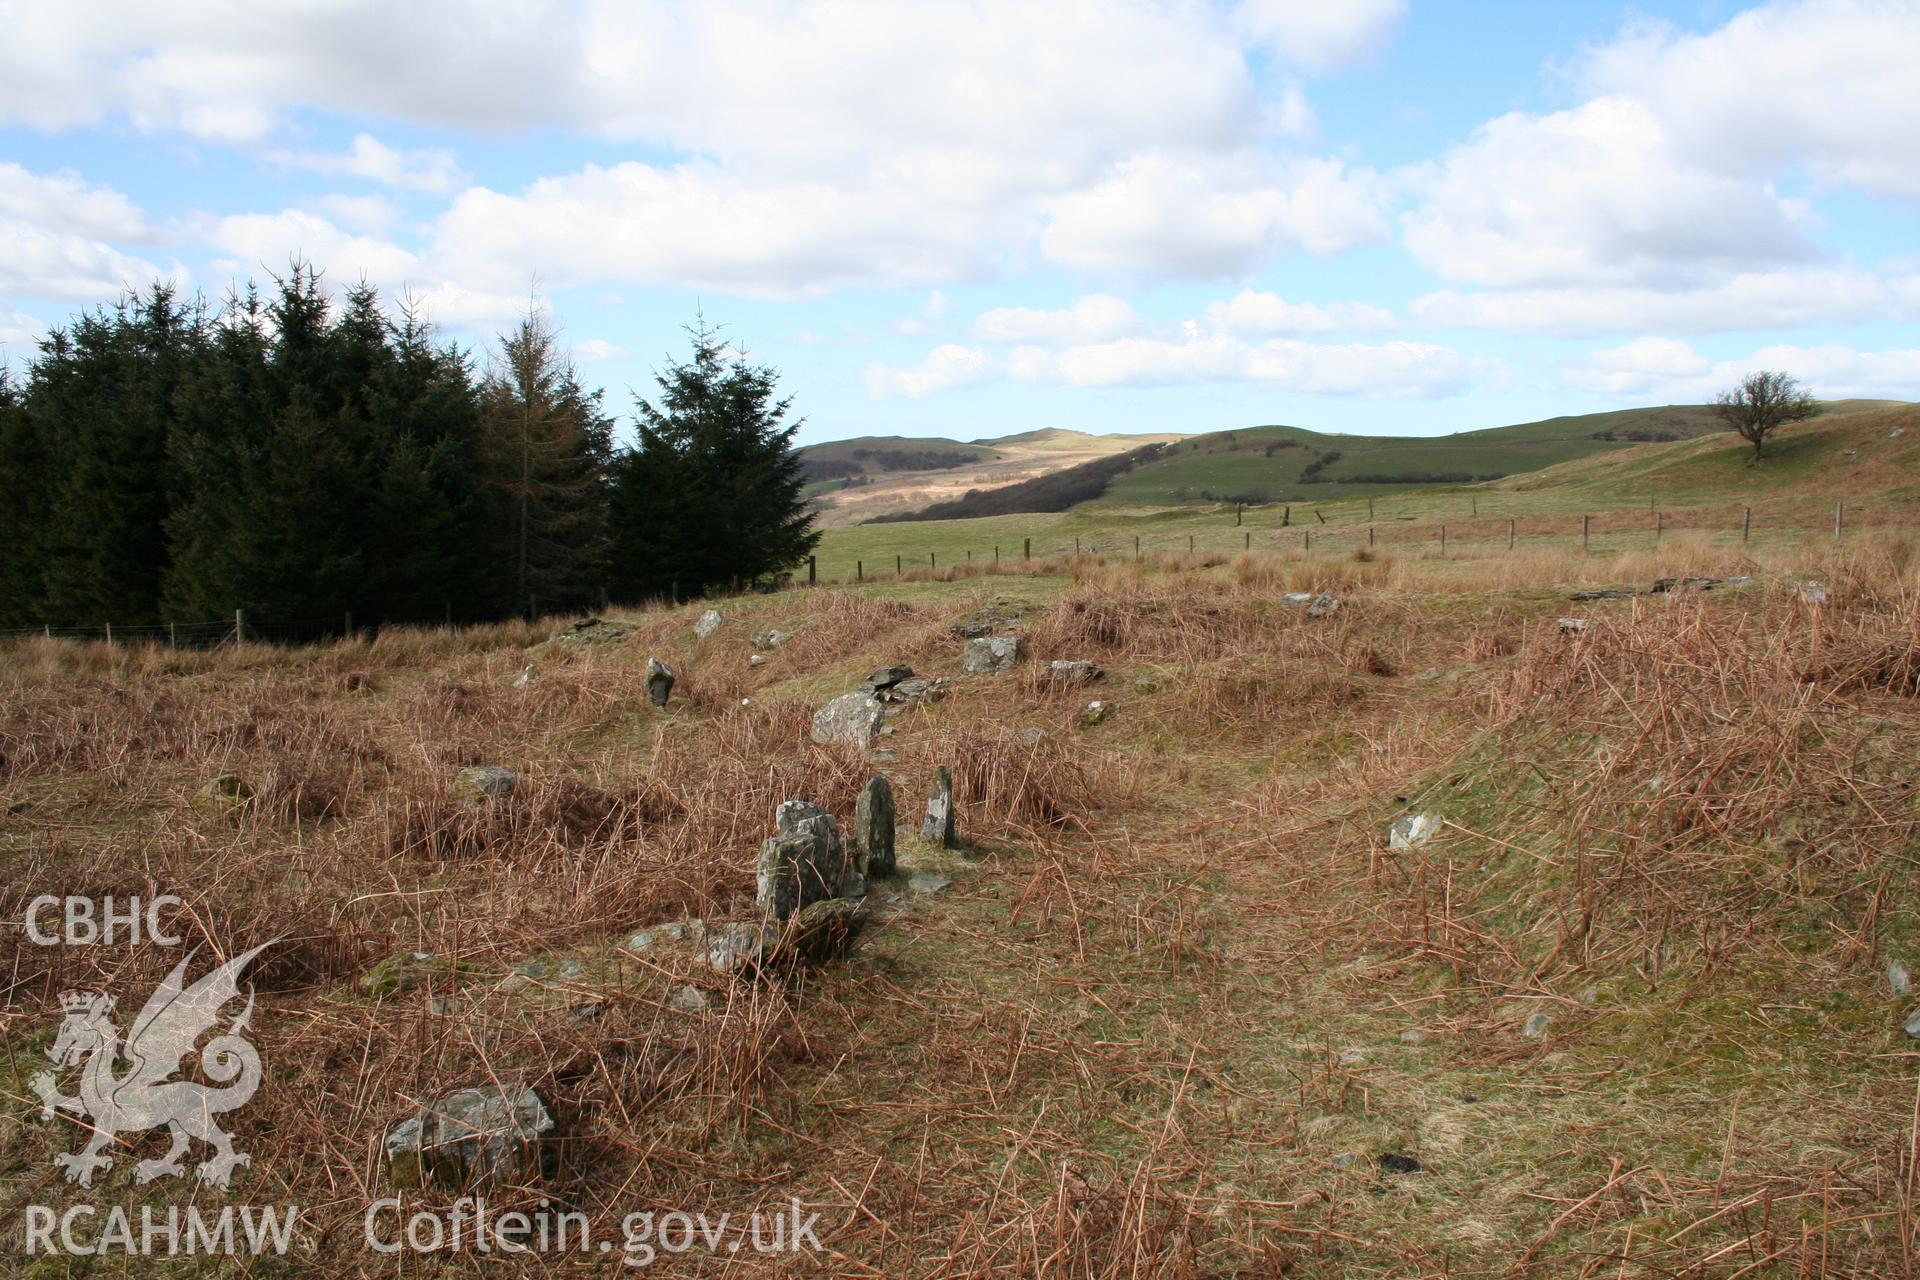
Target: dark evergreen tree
(710, 494)
(22, 510)
(545, 447)
(103, 404)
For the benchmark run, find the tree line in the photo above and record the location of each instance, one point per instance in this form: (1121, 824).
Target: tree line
(300, 458)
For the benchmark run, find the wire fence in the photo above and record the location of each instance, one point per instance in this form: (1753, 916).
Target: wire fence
(1470, 537)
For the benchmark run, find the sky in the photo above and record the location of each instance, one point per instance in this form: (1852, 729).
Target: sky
(974, 218)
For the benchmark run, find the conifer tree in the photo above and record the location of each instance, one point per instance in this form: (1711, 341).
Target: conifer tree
(545, 448)
(22, 480)
(710, 493)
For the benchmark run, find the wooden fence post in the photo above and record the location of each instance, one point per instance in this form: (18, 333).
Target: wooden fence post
(1189, 544)
(109, 635)
(239, 626)
(1136, 546)
(1369, 507)
(1443, 542)
(1247, 540)
(1369, 535)
(1839, 517)
(859, 571)
(1309, 534)
(1026, 548)
(1746, 523)
(173, 641)
(930, 561)
(1510, 527)
(896, 564)
(1659, 526)
(813, 570)
(1583, 533)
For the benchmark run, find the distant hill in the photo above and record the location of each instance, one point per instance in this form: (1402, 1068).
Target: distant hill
(866, 477)
(1053, 491)
(1281, 464)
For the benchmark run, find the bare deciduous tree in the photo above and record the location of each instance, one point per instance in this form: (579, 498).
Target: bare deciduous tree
(1762, 404)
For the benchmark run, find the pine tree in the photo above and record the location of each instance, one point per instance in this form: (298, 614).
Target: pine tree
(22, 483)
(710, 494)
(104, 403)
(545, 448)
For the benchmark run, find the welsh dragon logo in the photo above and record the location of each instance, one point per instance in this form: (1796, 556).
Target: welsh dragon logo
(143, 1095)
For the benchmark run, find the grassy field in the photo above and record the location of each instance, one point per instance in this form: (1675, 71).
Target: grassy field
(1634, 494)
(1182, 1011)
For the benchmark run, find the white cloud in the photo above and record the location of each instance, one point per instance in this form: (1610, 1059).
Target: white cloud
(423, 170)
(67, 202)
(1748, 300)
(1827, 84)
(365, 213)
(1596, 194)
(1669, 370)
(1393, 369)
(1181, 216)
(1253, 313)
(18, 332)
(252, 243)
(944, 368)
(1094, 318)
(597, 349)
(1319, 35)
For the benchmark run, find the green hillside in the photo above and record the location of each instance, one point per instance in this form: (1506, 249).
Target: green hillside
(1291, 464)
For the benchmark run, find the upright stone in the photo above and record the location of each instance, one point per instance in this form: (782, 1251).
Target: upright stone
(989, 655)
(873, 828)
(708, 624)
(801, 862)
(659, 681)
(938, 825)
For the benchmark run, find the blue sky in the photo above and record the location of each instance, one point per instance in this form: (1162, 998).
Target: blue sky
(970, 219)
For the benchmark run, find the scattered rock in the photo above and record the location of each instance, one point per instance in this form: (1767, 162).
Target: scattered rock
(671, 931)
(1413, 1035)
(1740, 580)
(589, 631)
(1896, 433)
(1605, 593)
(708, 624)
(851, 717)
(1074, 671)
(739, 948)
(1093, 713)
(1394, 1162)
(1296, 597)
(223, 794)
(659, 682)
(990, 655)
(755, 659)
(491, 1135)
(486, 782)
(525, 678)
(1536, 1025)
(873, 829)
(689, 999)
(925, 882)
(801, 862)
(970, 630)
(1345, 1160)
(1412, 831)
(878, 682)
(1590, 996)
(1898, 978)
(1352, 1058)
(1030, 737)
(821, 932)
(770, 639)
(1323, 604)
(917, 689)
(581, 1014)
(938, 826)
(1666, 585)
(1811, 592)
(1571, 626)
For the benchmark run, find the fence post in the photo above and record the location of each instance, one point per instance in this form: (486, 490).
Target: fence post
(1309, 533)
(1476, 508)
(1136, 546)
(813, 570)
(347, 634)
(172, 642)
(1839, 517)
(1659, 526)
(896, 564)
(1236, 515)
(859, 571)
(1247, 539)
(109, 635)
(1369, 506)
(1746, 523)
(1510, 525)
(1369, 535)
(1076, 546)
(930, 563)
(1583, 533)
(1026, 548)
(1443, 542)
(239, 626)
(1189, 544)
(49, 629)
(996, 555)
(1286, 516)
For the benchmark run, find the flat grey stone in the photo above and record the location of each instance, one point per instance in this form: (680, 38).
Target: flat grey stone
(485, 1136)
(852, 718)
(708, 624)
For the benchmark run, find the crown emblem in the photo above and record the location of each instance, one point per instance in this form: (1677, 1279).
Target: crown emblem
(85, 1001)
